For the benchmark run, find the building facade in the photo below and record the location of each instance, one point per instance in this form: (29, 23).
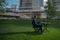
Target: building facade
(31, 7)
(27, 9)
(57, 2)
(30, 4)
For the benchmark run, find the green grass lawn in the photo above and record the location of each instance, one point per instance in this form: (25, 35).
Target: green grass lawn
(22, 30)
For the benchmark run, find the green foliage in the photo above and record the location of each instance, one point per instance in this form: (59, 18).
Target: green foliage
(50, 9)
(2, 5)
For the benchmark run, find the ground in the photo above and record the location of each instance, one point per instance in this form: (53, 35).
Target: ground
(22, 30)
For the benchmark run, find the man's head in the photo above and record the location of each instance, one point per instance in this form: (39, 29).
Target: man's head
(34, 16)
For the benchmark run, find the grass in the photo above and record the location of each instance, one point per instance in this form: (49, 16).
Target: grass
(22, 30)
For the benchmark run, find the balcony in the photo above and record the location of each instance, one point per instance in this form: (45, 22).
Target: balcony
(25, 8)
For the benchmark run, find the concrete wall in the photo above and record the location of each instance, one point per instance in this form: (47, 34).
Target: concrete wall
(57, 2)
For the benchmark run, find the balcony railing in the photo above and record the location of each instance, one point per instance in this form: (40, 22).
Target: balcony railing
(26, 1)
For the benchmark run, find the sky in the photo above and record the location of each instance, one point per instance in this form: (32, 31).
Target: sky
(14, 2)
(45, 0)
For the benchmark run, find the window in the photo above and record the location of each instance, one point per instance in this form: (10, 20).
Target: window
(37, 2)
(26, 3)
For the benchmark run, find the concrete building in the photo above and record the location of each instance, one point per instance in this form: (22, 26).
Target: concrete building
(57, 2)
(31, 7)
(27, 9)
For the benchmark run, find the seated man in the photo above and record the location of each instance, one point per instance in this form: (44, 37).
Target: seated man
(39, 25)
(36, 26)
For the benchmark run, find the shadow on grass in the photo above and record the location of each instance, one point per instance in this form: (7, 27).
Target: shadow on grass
(28, 33)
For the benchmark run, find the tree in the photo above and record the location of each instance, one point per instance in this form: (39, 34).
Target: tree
(50, 9)
(2, 5)
(14, 7)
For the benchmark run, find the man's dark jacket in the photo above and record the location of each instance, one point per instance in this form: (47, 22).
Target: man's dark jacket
(35, 24)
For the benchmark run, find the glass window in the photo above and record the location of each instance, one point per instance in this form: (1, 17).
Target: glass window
(25, 4)
(37, 2)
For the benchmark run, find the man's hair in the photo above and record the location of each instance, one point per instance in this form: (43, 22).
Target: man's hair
(34, 16)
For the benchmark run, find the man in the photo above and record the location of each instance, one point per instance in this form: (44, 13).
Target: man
(34, 23)
(36, 26)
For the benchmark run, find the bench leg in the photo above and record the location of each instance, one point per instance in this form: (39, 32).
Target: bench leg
(40, 30)
(36, 29)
